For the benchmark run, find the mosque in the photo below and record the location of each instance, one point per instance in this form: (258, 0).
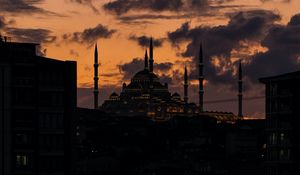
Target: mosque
(145, 95)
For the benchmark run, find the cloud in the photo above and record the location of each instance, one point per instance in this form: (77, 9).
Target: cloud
(39, 36)
(143, 19)
(144, 41)
(283, 55)
(90, 35)
(128, 11)
(131, 68)
(23, 7)
(164, 67)
(219, 42)
(2, 22)
(31, 35)
(134, 18)
(166, 79)
(88, 3)
(120, 7)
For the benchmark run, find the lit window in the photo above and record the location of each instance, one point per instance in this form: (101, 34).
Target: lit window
(21, 160)
(273, 138)
(284, 154)
(281, 136)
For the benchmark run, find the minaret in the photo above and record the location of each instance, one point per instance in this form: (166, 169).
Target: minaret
(151, 77)
(201, 78)
(146, 60)
(186, 98)
(96, 78)
(240, 94)
(151, 56)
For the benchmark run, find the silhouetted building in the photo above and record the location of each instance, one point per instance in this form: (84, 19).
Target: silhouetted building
(240, 94)
(146, 96)
(139, 145)
(282, 129)
(96, 78)
(201, 79)
(38, 101)
(245, 147)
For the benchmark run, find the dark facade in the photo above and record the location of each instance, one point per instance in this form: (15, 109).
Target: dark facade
(245, 146)
(38, 100)
(139, 145)
(282, 130)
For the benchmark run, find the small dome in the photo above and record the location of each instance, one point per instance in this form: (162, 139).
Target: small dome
(114, 95)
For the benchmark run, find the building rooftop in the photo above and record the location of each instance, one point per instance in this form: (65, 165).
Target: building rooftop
(286, 76)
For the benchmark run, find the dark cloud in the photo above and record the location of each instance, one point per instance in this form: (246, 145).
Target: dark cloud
(120, 7)
(164, 67)
(219, 41)
(39, 36)
(166, 79)
(90, 35)
(282, 56)
(2, 22)
(136, 18)
(295, 20)
(130, 68)
(88, 3)
(179, 8)
(23, 7)
(31, 35)
(123, 6)
(144, 41)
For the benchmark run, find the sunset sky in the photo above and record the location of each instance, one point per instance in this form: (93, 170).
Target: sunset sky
(264, 34)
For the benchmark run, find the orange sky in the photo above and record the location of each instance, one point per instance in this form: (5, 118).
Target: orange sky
(119, 49)
(75, 17)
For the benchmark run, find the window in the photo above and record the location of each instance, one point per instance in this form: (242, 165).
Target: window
(22, 139)
(284, 154)
(272, 155)
(51, 120)
(273, 138)
(21, 160)
(281, 137)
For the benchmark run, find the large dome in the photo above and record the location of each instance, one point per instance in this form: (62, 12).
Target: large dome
(144, 76)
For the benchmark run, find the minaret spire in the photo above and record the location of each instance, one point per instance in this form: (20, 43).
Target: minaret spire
(151, 56)
(146, 60)
(240, 94)
(185, 85)
(201, 78)
(96, 78)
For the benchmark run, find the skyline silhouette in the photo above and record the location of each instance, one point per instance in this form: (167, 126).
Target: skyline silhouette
(149, 87)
